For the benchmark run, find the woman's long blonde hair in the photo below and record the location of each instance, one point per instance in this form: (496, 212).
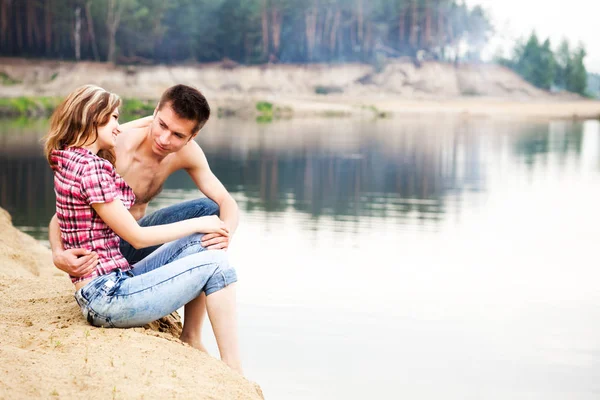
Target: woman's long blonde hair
(76, 120)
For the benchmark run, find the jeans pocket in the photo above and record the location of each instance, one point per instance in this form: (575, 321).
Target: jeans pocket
(96, 287)
(97, 296)
(95, 319)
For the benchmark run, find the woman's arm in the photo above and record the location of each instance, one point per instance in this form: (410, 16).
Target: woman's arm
(118, 218)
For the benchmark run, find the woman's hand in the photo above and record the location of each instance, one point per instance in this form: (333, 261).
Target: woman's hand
(211, 224)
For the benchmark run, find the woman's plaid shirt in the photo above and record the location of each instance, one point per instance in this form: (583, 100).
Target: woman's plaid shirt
(81, 179)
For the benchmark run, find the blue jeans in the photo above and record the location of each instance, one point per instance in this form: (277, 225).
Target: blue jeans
(161, 283)
(178, 212)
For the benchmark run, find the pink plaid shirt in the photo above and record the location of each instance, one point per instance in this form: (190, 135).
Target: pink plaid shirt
(81, 179)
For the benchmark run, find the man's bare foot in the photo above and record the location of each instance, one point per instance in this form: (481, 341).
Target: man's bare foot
(195, 343)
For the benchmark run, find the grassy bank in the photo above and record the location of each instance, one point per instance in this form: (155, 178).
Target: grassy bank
(37, 107)
(42, 107)
(334, 106)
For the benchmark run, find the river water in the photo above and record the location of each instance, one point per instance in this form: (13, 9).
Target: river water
(430, 257)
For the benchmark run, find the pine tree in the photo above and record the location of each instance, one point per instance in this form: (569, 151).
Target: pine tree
(577, 78)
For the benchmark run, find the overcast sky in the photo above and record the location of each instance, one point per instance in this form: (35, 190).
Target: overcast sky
(577, 20)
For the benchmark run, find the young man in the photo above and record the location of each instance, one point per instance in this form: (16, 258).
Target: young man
(149, 150)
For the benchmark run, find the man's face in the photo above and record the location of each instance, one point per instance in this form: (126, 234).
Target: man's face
(169, 132)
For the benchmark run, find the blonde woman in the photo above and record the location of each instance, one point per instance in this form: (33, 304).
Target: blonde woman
(92, 203)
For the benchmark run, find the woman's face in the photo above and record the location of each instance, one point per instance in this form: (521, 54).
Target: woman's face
(107, 134)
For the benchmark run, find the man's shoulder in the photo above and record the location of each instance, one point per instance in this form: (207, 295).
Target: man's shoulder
(130, 139)
(190, 156)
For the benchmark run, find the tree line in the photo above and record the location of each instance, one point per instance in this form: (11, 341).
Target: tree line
(262, 31)
(244, 31)
(561, 69)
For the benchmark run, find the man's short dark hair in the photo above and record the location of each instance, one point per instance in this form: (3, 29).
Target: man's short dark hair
(187, 103)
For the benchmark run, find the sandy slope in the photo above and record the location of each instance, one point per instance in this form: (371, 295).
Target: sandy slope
(47, 350)
(354, 89)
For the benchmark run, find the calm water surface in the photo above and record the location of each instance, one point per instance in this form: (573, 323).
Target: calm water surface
(422, 258)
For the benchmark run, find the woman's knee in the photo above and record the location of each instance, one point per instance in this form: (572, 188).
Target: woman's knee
(192, 244)
(224, 274)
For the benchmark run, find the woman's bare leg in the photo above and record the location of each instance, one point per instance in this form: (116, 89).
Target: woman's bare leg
(221, 307)
(195, 312)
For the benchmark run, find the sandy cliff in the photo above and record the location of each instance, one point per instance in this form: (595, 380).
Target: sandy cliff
(308, 90)
(47, 350)
(396, 79)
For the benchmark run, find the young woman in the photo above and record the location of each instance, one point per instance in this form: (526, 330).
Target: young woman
(92, 203)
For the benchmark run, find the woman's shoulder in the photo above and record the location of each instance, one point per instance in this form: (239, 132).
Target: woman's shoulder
(82, 160)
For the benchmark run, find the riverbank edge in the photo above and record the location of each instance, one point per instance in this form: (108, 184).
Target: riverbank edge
(43, 107)
(49, 350)
(268, 108)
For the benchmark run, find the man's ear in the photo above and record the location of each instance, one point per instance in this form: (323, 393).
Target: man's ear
(156, 110)
(194, 135)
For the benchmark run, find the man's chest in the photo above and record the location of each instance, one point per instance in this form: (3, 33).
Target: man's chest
(145, 178)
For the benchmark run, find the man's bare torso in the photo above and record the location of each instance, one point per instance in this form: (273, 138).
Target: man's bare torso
(145, 174)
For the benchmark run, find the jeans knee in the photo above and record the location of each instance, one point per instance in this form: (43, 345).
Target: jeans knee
(210, 207)
(193, 243)
(223, 276)
(203, 207)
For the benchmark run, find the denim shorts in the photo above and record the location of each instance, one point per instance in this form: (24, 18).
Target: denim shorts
(161, 283)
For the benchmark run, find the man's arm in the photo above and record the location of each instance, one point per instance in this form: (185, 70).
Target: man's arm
(197, 167)
(75, 262)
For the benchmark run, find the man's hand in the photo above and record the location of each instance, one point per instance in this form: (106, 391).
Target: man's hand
(215, 241)
(76, 262)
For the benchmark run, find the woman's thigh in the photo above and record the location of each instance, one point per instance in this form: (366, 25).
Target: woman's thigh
(140, 299)
(177, 212)
(169, 252)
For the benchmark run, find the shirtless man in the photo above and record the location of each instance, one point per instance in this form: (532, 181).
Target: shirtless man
(149, 150)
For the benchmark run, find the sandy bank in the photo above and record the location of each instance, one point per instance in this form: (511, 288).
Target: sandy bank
(47, 350)
(355, 90)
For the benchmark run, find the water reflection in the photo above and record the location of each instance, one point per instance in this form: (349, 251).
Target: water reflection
(558, 137)
(404, 170)
(26, 188)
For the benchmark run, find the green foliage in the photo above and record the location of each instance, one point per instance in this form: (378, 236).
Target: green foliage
(27, 106)
(131, 108)
(577, 77)
(376, 112)
(7, 80)
(265, 112)
(19, 105)
(264, 119)
(593, 88)
(320, 89)
(246, 31)
(264, 107)
(536, 62)
(564, 64)
(542, 67)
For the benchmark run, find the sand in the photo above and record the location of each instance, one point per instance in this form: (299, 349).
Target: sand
(47, 349)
